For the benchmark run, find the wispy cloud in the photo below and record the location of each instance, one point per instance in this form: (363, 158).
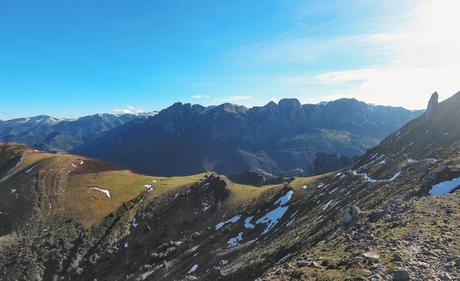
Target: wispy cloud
(130, 109)
(400, 63)
(304, 50)
(424, 59)
(285, 50)
(199, 97)
(236, 98)
(356, 75)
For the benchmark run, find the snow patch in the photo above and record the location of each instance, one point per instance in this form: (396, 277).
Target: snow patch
(327, 204)
(134, 224)
(371, 162)
(105, 191)
(148, 187)
(445, 187)
(412, 161)
(234, 241)
(373, 155)
(369, 179)
(248, 224)
(232, 220)
(205, 206)
(193, 269)
(333, 190)
(273, 217)
(30, 169)
(284, 199)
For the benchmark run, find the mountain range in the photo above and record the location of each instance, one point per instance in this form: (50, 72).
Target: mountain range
(394, 214)
(284, 138)
(61, 135)
(278, 139)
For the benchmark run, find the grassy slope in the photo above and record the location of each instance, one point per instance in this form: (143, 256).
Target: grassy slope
(72, 183)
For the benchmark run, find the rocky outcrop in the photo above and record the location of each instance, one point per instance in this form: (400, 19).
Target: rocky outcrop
(351, 213)
(433, 106)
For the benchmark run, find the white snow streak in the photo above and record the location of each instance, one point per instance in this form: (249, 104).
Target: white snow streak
(105, 191)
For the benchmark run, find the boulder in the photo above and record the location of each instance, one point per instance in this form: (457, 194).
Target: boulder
(375, 215)
(373, 257)
(401, 275)
(350, 215)
(397, 257)
(302, 263)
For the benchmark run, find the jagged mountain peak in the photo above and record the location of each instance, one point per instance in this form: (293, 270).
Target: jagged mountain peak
(289, 103)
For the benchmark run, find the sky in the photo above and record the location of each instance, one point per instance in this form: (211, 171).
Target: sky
(69, 58)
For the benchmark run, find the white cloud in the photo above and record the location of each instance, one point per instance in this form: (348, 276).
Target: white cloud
(424, 58)
(199, 97)
(407, 57)
(130, 109)
(337, 77)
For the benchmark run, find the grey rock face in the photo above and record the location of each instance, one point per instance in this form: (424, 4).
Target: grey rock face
(433, 106)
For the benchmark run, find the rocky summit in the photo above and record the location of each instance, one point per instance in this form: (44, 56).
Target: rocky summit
(392, 215)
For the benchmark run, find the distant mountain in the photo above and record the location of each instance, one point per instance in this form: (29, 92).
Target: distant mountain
(287, 138)
(57, 135)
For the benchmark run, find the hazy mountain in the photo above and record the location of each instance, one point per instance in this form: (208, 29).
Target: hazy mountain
(393, 215)
(285, 138)
(53, 134)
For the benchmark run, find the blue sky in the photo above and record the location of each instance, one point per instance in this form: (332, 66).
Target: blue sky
(69, 58)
